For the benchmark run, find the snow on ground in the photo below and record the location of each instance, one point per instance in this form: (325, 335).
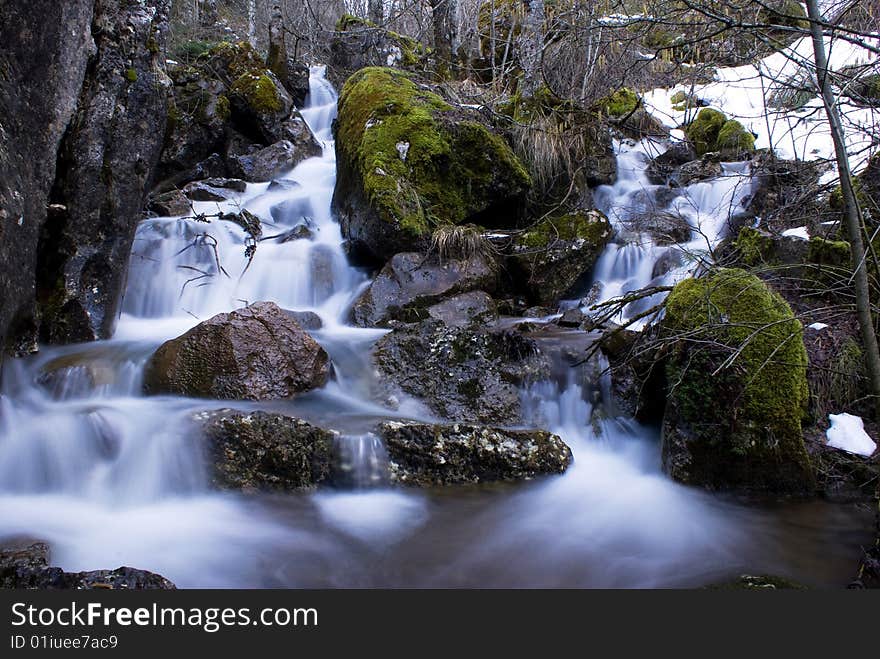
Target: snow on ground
(847, 432)
(798, 232)
(818, 327)
(742, 93)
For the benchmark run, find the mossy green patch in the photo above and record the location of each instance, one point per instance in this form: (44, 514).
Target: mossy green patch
(259, 91)
(713, 131)
(738, 382)
(569, 227)
(621, 103)
(834, 253)
(131, 75)
(419, 166)
(753, 246)
(734, 139)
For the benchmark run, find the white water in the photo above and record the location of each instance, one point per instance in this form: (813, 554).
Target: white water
(109, 477)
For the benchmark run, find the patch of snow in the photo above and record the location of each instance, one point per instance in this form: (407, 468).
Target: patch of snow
(847, 432)
(817, 326)
(799, 232)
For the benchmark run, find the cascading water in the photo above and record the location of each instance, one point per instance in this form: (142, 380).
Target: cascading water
(109, 477)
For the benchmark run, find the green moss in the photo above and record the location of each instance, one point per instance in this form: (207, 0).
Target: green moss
(785, 13)
(619, 104)
(259, 91)
(348, 22)
(569, 227)
(447, 164)
(131, 75)
(734, 139)
(193, 49)
(703, 131)
(754, 403)
(829, 252)
(753, 246)
(153, 45)
(237, 59)
(224, 109)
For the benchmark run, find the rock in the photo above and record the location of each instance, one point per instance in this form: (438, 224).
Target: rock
(666, 228)
(661, 168)
(572, 318)
(254, 353)
(415, 280)
(297, 82)
(260, 105)
(757, 582)
(252, 451)
(266, 164)
(214, 189)
(465, 309)
(455, 170)
(735, 426)
(695, 171)
(106, 162)
(250, 223)
(557, 255)
(322, 260)
(358, 44)
(170, 204)
(46, 49)
(756, 247)
(28, 568)
(468, 374)
(425, 455)
(296, 131)
(637, 377)
(625, 110)
(712, 131)
(211, 167)
(308, 320)
(299, 232)
(77, 375)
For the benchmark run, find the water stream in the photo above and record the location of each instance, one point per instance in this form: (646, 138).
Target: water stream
(109, 477)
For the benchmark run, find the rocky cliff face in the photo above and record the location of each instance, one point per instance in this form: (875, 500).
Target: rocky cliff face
(82, 114)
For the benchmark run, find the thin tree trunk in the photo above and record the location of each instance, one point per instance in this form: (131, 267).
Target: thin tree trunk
(376, 12)
(276, 62)
(533, 46)
(443, 12)
(852, 213)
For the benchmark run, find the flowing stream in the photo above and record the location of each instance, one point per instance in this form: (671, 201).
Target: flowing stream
(110, 477)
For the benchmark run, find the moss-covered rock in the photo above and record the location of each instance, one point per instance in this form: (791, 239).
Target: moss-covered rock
(713, 131)
(408, 161)
(553, 257)
(625, 110)
(738, 387)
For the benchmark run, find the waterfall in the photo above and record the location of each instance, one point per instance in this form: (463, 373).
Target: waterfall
(108, 476)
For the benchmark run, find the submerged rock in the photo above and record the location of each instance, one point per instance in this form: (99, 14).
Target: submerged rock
(409, 161)
(558, 254)
(264, 451)
(415, 280)
(738, 387)
(255, 353)
(28, 568)
(424, 455)
(468, 374)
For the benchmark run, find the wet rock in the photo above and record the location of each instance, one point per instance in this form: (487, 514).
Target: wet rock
(708, 167)
(28, 568)
(263, 451)
(268, 163)
(638, 385)
(670, 260)
(390, 190)
(250, 223)
(572, 318)
(254, 353)
(211, 167)
(106, 163)
(299, 232)
(308, 320)
(666, 228)
(662, 168)
(76, 375)
(215, 189)
(735, 425)
(416, 280)
(468, 374)
(426, 455)
(170, 204)
(558, 255)
(465, 309)
(282, 184)
(297, 82)
(260, 104)
(322, 260)
(296, 131)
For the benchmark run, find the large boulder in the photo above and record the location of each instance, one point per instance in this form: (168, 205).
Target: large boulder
(359, 43)
(408, 161)
(415, 280)
(262, 451)
(467, 374)
(712, 131)
(255, 353)
(106, 162)
(425, 455)
(558, 254)
(738, 387)
(28, 568)
(267, 163)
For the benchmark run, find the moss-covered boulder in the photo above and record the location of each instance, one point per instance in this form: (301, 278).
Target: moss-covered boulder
(408, 162)
(712, 131)
(625, 110)
(555, 256)
(738, 387)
